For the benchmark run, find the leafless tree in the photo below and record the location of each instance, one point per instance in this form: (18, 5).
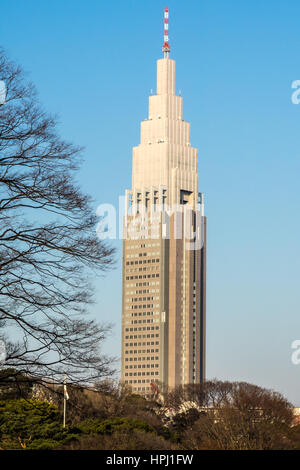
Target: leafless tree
(234, 415)
(48, 245)
(211, 393)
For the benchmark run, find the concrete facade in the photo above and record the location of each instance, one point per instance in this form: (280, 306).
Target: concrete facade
(164, 250)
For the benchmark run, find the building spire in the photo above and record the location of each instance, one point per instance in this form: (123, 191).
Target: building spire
(166, 45)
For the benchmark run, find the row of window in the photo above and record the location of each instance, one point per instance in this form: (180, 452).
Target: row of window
(140, 374)
(144, 351)
(135, 307)
(145, 276)
(147, 269)
(139, 366)
(151, 253)
(141, 359)
(143, 329)
(141, 336)
(135, 322)
(145, 261)
(142, 291)
(140, 299)
(143, 245)
(142, 284)
(141, 314)
(154, 230)
(148, 343)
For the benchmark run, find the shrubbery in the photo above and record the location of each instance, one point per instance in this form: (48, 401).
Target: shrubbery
(109, 426)
(218, 415)
(37, 425)
(30, 424)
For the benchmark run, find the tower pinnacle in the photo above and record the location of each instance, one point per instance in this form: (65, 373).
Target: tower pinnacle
(166, 45)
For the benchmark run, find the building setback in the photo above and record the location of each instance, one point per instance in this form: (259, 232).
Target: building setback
(164, 249)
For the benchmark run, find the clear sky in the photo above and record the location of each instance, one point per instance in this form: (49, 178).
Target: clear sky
(94, 64)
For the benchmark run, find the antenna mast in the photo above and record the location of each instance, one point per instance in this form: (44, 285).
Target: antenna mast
(166, 46)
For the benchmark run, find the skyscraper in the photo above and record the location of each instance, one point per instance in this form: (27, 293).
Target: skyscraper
(164, 248)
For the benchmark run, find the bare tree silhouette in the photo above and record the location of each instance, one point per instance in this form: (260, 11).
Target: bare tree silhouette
(48, 246)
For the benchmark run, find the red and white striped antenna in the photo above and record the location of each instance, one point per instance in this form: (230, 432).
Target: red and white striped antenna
(166, 46)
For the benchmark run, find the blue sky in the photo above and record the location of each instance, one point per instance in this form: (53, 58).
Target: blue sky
(94, 65)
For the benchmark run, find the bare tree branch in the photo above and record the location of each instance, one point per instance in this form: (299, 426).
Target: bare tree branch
(48, 245)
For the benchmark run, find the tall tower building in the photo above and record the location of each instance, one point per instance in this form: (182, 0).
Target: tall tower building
(164, 248)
